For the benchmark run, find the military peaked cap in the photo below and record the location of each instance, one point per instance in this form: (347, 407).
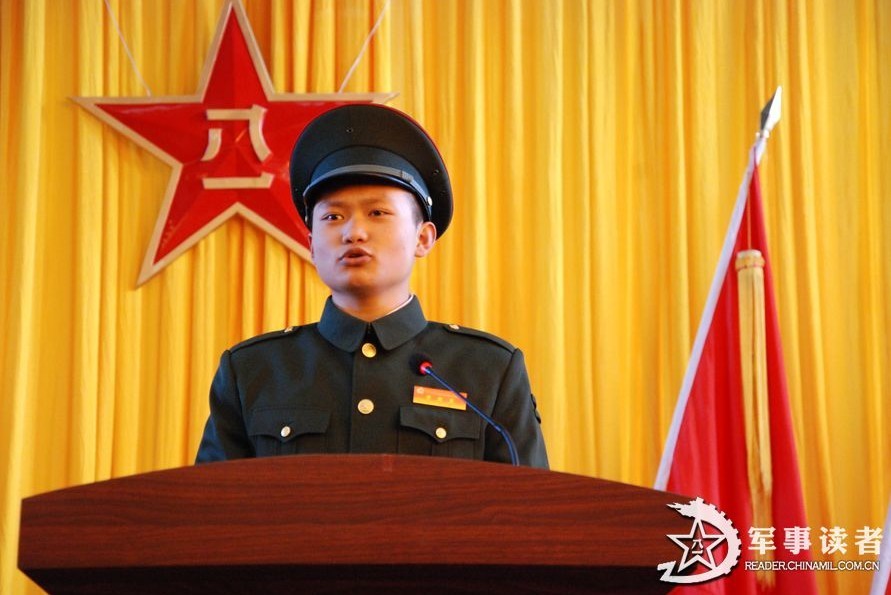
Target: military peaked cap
(369, 144)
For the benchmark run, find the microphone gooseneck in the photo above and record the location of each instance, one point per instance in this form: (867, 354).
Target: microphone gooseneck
(420, 364)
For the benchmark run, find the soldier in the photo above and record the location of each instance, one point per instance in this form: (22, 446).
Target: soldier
(374, 192)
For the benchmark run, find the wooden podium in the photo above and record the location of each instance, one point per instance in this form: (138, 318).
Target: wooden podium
(350, 524)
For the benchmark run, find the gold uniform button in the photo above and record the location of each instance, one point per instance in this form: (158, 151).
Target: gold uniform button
(441, 433)
(365, 406)
(454, 327)
(286, 431)
(369, 350)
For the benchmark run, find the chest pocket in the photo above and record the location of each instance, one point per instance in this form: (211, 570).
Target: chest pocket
(288, 430)
(439, 432)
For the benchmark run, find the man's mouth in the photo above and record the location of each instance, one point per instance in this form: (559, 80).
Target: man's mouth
(354, 256)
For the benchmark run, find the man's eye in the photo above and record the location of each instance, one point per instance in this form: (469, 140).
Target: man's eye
(330, 217)
(378, 212)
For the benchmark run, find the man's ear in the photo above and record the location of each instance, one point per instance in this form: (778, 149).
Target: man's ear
(426, 239)
(312, 252)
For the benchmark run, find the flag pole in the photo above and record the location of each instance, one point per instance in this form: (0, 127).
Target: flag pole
(770, 116)
(881, 580)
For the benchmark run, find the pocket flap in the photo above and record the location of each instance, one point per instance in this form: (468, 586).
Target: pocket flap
(441, 424)
(286, 423)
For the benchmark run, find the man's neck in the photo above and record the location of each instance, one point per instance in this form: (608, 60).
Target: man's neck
(370, 309)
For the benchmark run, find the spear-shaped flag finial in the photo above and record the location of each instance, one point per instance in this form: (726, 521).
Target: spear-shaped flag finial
(770, 115)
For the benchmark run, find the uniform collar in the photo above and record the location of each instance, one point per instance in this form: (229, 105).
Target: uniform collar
(347, 332)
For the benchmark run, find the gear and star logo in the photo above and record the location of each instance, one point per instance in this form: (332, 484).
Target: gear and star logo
(228, 145)
(713, 544)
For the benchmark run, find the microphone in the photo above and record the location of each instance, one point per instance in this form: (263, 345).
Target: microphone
(420, 364)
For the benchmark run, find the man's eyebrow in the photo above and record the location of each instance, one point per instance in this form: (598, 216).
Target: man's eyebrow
(329, 202)
(364, 201)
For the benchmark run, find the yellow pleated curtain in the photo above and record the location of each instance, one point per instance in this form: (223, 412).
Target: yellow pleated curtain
(595, 150)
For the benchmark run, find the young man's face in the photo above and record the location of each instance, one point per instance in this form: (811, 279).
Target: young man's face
(365, 239)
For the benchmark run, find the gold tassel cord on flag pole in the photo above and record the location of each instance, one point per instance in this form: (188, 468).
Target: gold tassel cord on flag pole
(753, 356)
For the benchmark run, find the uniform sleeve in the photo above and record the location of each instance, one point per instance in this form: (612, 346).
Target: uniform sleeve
(224, 436)
(515, 410)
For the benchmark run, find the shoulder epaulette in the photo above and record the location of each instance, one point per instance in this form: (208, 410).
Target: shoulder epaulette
(472, 332)
(265, 337)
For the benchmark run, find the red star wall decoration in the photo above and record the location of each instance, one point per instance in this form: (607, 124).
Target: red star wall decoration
(228, 145)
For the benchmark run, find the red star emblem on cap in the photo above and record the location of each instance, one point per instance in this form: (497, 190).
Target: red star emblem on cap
(228, 144)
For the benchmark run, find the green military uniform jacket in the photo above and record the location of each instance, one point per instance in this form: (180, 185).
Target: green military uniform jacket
(343, 385)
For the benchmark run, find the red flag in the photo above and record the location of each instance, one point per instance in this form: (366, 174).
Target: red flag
(881, 580)
(733, 445)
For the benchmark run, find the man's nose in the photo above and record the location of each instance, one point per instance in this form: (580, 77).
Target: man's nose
(355, 230)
